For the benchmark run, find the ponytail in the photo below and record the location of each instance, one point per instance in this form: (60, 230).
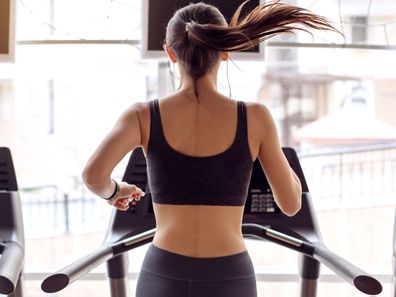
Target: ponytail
(198, 32)
(262, 23)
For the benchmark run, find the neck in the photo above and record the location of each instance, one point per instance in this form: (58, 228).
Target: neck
(206, 84)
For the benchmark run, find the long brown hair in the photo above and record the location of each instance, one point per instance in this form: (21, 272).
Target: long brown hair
(197, 33)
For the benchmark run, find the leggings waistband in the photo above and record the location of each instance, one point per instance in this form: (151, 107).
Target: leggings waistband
(174, 265)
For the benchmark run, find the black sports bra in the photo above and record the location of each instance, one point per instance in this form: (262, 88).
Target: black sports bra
(177, 178)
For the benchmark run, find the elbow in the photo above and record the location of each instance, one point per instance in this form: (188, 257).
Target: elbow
(294, 205)
(292, 210)
(86, 176)
(91, 176)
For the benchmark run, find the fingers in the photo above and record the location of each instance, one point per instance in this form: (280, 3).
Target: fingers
(128, 193)
(136, 197)
(122, 204)
(128, 190)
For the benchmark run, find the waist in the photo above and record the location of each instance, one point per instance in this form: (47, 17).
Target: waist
(172, 265)
(199, 230)
(200, 245)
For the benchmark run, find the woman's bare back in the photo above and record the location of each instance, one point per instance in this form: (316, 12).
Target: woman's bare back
(204, 129)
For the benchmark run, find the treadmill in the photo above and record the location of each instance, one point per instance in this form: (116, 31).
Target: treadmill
(262, 219)
(12, 241)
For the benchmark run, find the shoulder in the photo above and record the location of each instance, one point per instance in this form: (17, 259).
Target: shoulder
(257, 112)
(138, 115)
(139, 106)
(261, 124)
(135, 117)
(139, 109)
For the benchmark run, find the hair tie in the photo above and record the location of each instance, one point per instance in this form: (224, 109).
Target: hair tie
(189, 24)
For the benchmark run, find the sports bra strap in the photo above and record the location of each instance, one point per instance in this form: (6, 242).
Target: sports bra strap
(156, 132)
(242, 120)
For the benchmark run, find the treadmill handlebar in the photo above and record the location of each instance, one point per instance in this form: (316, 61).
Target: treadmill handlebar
(265, 232)
(11, 263)
(62, 278)
(132, 242)
(349, 272)
(352, 274)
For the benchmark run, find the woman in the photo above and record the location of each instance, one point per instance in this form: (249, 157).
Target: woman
(200, 146)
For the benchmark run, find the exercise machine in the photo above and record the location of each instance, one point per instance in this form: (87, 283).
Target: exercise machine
(262, 220)
(12, 241)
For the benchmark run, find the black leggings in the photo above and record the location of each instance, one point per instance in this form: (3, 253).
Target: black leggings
(167, 274)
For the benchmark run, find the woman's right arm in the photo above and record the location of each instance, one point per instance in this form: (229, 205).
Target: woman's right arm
(285, 184)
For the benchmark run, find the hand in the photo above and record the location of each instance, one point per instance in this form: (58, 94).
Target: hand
(126, 195)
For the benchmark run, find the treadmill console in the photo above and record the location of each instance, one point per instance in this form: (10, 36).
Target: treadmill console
(260, 199)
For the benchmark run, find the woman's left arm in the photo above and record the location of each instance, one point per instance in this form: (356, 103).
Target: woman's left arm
(124, 137)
